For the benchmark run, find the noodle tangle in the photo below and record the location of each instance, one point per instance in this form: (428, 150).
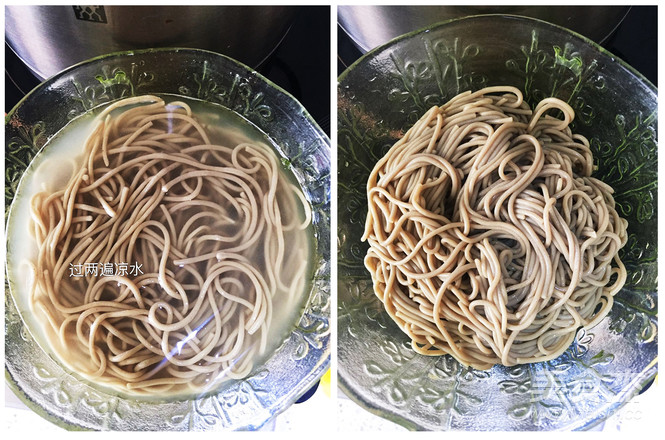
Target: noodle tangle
(488, 238)
(211, 239)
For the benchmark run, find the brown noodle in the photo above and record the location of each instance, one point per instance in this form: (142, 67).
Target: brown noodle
(489, 239)
(214, 228)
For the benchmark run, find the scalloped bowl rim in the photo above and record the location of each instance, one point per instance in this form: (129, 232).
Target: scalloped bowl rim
(535, 21)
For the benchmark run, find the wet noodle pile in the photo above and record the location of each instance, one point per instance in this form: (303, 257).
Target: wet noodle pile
(162, 262)
(489, 239)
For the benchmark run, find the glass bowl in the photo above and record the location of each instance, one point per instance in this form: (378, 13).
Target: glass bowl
(301, 359)
(382, 95)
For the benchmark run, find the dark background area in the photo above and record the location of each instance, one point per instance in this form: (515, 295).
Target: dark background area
(635, 41)
(300, 65)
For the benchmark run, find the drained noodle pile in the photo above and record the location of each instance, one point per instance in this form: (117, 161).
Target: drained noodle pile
(489, 239)
(209, 239)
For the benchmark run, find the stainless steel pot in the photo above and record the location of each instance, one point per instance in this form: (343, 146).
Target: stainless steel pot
(371, 26)
(51, 38)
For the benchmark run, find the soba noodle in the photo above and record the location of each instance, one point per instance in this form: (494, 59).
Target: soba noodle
(162, 261)
(488, 238)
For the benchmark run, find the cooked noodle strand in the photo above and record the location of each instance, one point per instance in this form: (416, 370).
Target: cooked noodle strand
(488, 237)
(211, 236)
